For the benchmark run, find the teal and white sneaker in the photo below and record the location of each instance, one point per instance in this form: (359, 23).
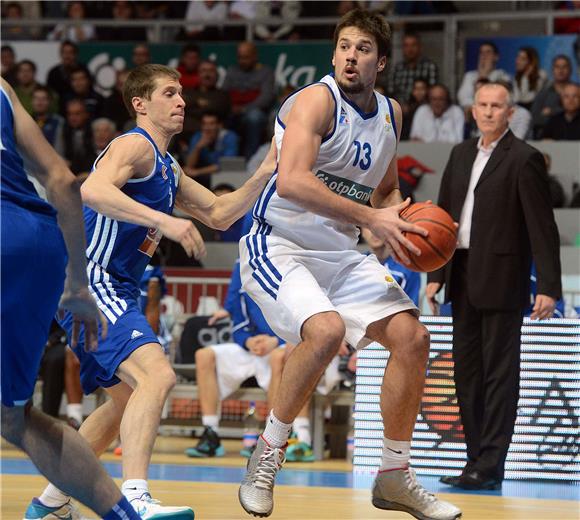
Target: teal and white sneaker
(36, 510)
(209, 445)
(150, 509)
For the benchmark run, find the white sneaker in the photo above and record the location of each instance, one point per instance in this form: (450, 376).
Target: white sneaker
(398, 490)
(150, 509)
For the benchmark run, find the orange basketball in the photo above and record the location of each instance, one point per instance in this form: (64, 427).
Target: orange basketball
(438, 247)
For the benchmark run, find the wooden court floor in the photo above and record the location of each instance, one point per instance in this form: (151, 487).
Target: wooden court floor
(216, 500)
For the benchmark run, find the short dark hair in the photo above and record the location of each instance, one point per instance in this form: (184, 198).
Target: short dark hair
(562, 57)
(190, 47)
(212, 113)
(42, 88)
(27, 62)
(141, 82)
(369, 22)
(68, 43)
(8, 48)
(490, 44)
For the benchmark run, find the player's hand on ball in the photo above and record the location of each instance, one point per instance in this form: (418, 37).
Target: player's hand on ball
(85, 313)
(389, 228)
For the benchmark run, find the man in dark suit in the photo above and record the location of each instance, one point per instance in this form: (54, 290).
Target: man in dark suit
(496, 187)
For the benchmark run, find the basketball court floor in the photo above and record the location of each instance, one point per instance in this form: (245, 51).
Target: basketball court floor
(320, 490)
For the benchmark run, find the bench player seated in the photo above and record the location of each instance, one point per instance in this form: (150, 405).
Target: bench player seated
(221, 369)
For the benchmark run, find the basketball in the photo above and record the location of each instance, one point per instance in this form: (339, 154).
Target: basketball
(438, 247)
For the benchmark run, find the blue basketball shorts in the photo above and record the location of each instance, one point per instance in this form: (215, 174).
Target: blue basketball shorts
(127, 331)
(33, 272)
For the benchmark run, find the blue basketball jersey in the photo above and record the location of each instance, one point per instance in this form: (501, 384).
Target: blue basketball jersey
(15, 186)
(121, 249)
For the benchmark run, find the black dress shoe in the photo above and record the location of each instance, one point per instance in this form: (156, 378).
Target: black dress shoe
(476, 481)
(450, 481)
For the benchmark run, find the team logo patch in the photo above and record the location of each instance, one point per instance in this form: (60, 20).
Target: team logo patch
(164, 172)
(343, 120)
(388, 122)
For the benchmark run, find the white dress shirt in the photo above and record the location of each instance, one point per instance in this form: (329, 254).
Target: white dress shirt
(481, 159)
(448, 128)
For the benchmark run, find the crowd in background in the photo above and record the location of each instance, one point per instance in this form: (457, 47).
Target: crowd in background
(235, 116)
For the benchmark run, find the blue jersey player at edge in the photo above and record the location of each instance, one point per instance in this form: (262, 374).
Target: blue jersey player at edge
(129, 199)
(36, 274)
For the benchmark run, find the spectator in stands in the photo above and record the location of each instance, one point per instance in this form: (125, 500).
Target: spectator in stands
(82, 88)
(140, 55)
(189, 66)
(104, 131)
(520, 122)
(78, 137)
(250, 85)
(565, 126)
(221, 369)
(486, 68)
(51, 124)
(58, 79)
(26, 83)
(122, 11)
(208, 16)
(412, 67)
(529, 78)
(417, 98)
(286, 12)
(75, 30)
(114, 107)
(548, 101)
(439, 120)
(13, 11)
(207, 146)
(557, 193)
(9, 68)
(206, 97)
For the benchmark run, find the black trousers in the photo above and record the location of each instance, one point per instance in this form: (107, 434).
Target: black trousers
(486, 353)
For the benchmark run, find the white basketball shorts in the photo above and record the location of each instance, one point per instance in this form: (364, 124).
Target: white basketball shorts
(290, 285)
(235, 364)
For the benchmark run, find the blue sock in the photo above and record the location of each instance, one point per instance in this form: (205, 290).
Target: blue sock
(122, 511)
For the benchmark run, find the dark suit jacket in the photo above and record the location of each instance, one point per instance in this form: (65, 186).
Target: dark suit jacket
(512, 222)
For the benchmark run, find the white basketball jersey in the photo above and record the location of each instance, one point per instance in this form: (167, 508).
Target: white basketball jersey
(352, 161)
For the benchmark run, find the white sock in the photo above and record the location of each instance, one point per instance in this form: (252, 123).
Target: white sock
(212, 421)
(396, 454)
(134, 488)
(53, 497)
(75, 411)
(301, 427)
(276, 433)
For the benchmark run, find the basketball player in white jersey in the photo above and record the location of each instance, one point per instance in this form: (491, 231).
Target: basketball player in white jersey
(337, 141)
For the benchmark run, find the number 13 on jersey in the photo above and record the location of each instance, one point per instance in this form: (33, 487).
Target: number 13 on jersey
(363, 162)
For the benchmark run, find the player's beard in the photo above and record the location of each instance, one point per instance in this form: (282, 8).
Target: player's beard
(351, 88)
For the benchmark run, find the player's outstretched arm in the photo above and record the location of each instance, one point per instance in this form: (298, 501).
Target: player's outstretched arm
(221, 212)
(62, 192)
(127, 158)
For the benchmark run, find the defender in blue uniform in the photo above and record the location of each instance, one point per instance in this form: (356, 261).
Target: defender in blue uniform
(129, 198)
(34, 259)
